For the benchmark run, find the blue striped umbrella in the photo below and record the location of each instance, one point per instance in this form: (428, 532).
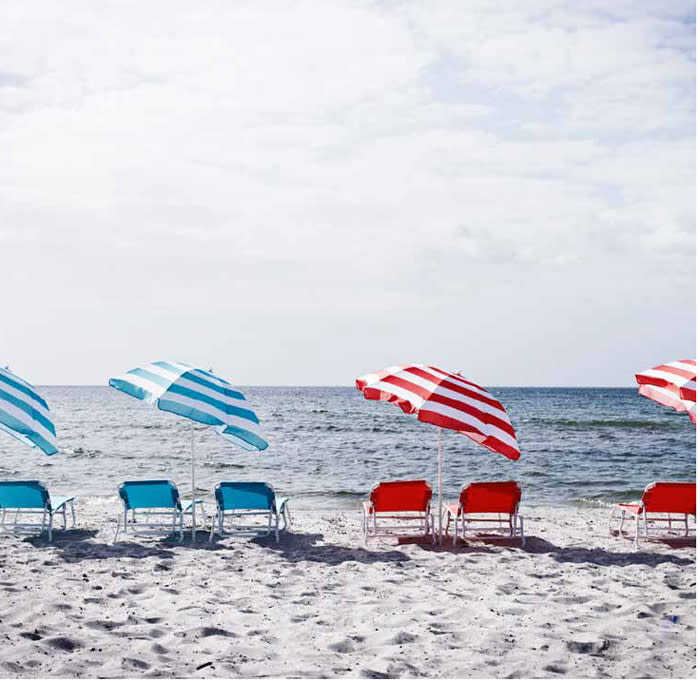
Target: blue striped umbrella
(197, 395)
(24, 414)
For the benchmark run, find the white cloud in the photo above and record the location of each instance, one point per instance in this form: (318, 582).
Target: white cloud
(344, 164)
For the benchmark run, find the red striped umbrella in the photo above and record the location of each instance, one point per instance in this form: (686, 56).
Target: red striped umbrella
(672, 385)
(446, 400)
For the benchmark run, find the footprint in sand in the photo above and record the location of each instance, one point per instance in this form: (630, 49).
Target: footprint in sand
(63, 644)
(133, 663)
(32, 635)
(347, 645)
(205, 632)
(104, 625)
(571, 600)
(403, 637)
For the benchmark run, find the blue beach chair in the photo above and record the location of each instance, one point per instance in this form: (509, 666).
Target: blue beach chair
(26, 499)
(236, 501)
(155, 508)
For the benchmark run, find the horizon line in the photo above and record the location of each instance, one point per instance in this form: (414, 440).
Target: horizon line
(330, 385)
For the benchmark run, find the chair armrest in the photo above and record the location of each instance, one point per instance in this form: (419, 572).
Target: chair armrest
(281, 503)
(188, 506)
(451, 509)
(58, 502)
(632, 509)
(367, 507)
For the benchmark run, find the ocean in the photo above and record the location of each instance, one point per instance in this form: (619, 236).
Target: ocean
(329, 446)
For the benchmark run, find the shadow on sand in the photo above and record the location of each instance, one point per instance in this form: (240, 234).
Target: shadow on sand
(295, 547)
(570, 554)
(78, 545)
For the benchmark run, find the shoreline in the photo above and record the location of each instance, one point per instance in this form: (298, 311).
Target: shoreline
(575, 602)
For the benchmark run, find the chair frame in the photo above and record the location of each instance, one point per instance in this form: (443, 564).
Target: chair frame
(511, 524)
(373, 526)
(141, 523)
(278, 511)
(47, 514)
(646, 520)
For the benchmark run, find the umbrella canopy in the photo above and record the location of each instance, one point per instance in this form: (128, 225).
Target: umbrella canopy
(195, 394)
(199, 396)
(24, 414)
(672, 385)
(447, 400)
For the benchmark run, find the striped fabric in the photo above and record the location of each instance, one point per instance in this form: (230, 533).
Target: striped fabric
(24, 414)
(197, 395)
(446, 400)
(672, 385)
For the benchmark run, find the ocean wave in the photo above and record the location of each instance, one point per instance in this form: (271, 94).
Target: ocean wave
(607, 423)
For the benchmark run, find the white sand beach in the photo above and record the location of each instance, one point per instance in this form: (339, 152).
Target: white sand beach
(574, 603)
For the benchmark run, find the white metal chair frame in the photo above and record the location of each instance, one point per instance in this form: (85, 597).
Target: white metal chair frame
(424, 522)
(511, 524)
(280, 511)
(647, 522)
(47, 514)
(142, 525)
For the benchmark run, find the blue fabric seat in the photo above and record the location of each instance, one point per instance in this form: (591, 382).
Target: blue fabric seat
(237, 501)
(26, 499)
(143, 499)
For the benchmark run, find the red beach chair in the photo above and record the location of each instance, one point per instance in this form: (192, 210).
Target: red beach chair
(481, 503)
(398, 508)
(662, 505)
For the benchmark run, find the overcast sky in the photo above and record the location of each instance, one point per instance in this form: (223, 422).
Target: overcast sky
(301, 192)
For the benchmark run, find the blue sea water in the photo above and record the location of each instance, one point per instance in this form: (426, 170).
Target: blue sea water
(328, 446)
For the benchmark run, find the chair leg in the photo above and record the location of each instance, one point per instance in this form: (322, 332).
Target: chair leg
(50, 526)
(685, 520)
(211, 532)
(636, 532)
(277, 528)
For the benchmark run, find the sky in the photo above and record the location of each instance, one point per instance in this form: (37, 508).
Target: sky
(298, 193)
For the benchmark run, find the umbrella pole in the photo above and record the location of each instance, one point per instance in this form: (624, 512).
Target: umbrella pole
(439, 485)
(193, 485)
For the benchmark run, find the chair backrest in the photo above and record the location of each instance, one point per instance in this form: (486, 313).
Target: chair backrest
(250, 496)
(24, 494)
(490, 497)
(149, 494)
(401, 495)
(670, 497)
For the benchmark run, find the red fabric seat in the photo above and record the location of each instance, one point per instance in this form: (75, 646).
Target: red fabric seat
(491, 497)
(487, 499)
(666, 497)
(398, 507)
(400, 496)
(671, 499)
